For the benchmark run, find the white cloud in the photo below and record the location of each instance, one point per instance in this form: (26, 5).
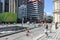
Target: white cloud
(49, 14)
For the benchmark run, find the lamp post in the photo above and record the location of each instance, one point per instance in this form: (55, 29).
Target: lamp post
(22, 21)
(3, 5)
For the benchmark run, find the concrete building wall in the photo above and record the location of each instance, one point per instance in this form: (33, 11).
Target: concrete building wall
(12, 6)
(56, 11)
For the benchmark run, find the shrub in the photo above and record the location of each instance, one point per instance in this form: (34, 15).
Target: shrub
(8, 17)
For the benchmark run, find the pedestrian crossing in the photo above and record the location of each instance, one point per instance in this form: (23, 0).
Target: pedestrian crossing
(52, 36)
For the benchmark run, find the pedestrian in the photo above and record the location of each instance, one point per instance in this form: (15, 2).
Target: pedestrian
(27, 32)
(46, 29)
(42, 24)
(56, 25)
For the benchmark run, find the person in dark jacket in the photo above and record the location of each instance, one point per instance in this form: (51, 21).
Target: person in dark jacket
(46, 29)
(56, 25)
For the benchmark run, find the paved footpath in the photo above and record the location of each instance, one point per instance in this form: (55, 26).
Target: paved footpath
(52, 36)
(34, 34)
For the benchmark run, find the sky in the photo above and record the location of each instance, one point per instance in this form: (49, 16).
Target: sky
(1, 0)
(48, 6)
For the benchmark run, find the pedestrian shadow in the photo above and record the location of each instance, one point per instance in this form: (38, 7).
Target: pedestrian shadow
(49, 37)
(30, 36)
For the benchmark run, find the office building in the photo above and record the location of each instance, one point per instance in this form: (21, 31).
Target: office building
(0, 0)
(13, 6)
(5, 6)
(35, 9)
(22, 11)
(0, 7)
(20, 2)
(10, 6)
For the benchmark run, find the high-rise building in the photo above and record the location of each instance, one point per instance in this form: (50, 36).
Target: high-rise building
(22, 11)
(35, 9)
(56, 11)
(0, 7)
(6, 6)
(10, 6)
(13, 5)
(0, 0)
(20, 2)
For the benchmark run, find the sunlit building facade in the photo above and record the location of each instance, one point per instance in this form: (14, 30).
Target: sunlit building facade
(56, 11)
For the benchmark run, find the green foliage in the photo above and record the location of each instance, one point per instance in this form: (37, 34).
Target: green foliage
(8, 17)
(0, 17)
(50, 18)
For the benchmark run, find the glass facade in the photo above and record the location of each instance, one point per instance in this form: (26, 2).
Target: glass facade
(6, 6)
(0, 7)
(35, 10)
(20, 2)
(22, 11)
(0, 0)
